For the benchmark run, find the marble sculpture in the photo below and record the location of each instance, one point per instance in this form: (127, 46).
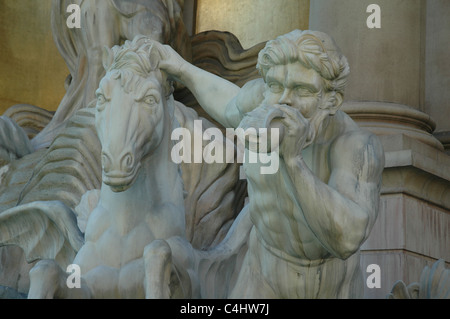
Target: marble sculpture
(140, 225)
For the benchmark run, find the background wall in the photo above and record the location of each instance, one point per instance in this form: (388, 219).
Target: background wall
(31, 69)
(392, 55)
(252, 21)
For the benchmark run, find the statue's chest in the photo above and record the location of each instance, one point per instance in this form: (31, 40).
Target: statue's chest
(115, 249)
(116, 261)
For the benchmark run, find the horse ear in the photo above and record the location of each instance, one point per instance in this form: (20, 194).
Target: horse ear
(154, 57)
(107, 57)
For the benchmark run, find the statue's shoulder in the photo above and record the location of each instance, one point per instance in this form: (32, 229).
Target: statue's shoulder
(353, 143)
(251, 95)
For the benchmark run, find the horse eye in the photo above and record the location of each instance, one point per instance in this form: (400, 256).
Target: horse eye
(101, 100)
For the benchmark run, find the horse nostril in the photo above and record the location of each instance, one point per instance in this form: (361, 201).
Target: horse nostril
(106, 162)
(127, 162)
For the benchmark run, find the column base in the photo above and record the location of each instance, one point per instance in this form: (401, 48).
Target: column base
(391, 119)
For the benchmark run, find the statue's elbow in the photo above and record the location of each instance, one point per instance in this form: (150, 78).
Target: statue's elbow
(346, 250)
(352, 238)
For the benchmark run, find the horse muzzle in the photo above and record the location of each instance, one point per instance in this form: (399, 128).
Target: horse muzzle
(120, 174)
(119, 182)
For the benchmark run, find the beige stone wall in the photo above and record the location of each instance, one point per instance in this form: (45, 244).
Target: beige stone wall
(252, 21)
(31, 69)
(387, 63)
(408, 235)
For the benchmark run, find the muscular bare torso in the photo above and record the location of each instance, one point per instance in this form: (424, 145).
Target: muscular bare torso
(274, 208)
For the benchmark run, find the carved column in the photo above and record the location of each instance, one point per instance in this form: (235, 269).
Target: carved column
(387, 64)
(397, 81)
(437, 71)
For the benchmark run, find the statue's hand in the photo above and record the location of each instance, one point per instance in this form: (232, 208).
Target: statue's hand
(297, 129)
(170, 61)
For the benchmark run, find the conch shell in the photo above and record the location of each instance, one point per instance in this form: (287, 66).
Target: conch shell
(263, 129)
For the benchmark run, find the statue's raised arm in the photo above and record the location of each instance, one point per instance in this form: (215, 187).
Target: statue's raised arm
(212, 92)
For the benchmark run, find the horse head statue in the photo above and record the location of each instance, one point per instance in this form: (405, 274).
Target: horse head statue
(134, 108)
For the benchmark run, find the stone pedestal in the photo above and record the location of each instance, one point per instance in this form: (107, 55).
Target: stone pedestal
(413, 226)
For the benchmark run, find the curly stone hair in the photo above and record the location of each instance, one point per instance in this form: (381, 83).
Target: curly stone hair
(314, 50)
